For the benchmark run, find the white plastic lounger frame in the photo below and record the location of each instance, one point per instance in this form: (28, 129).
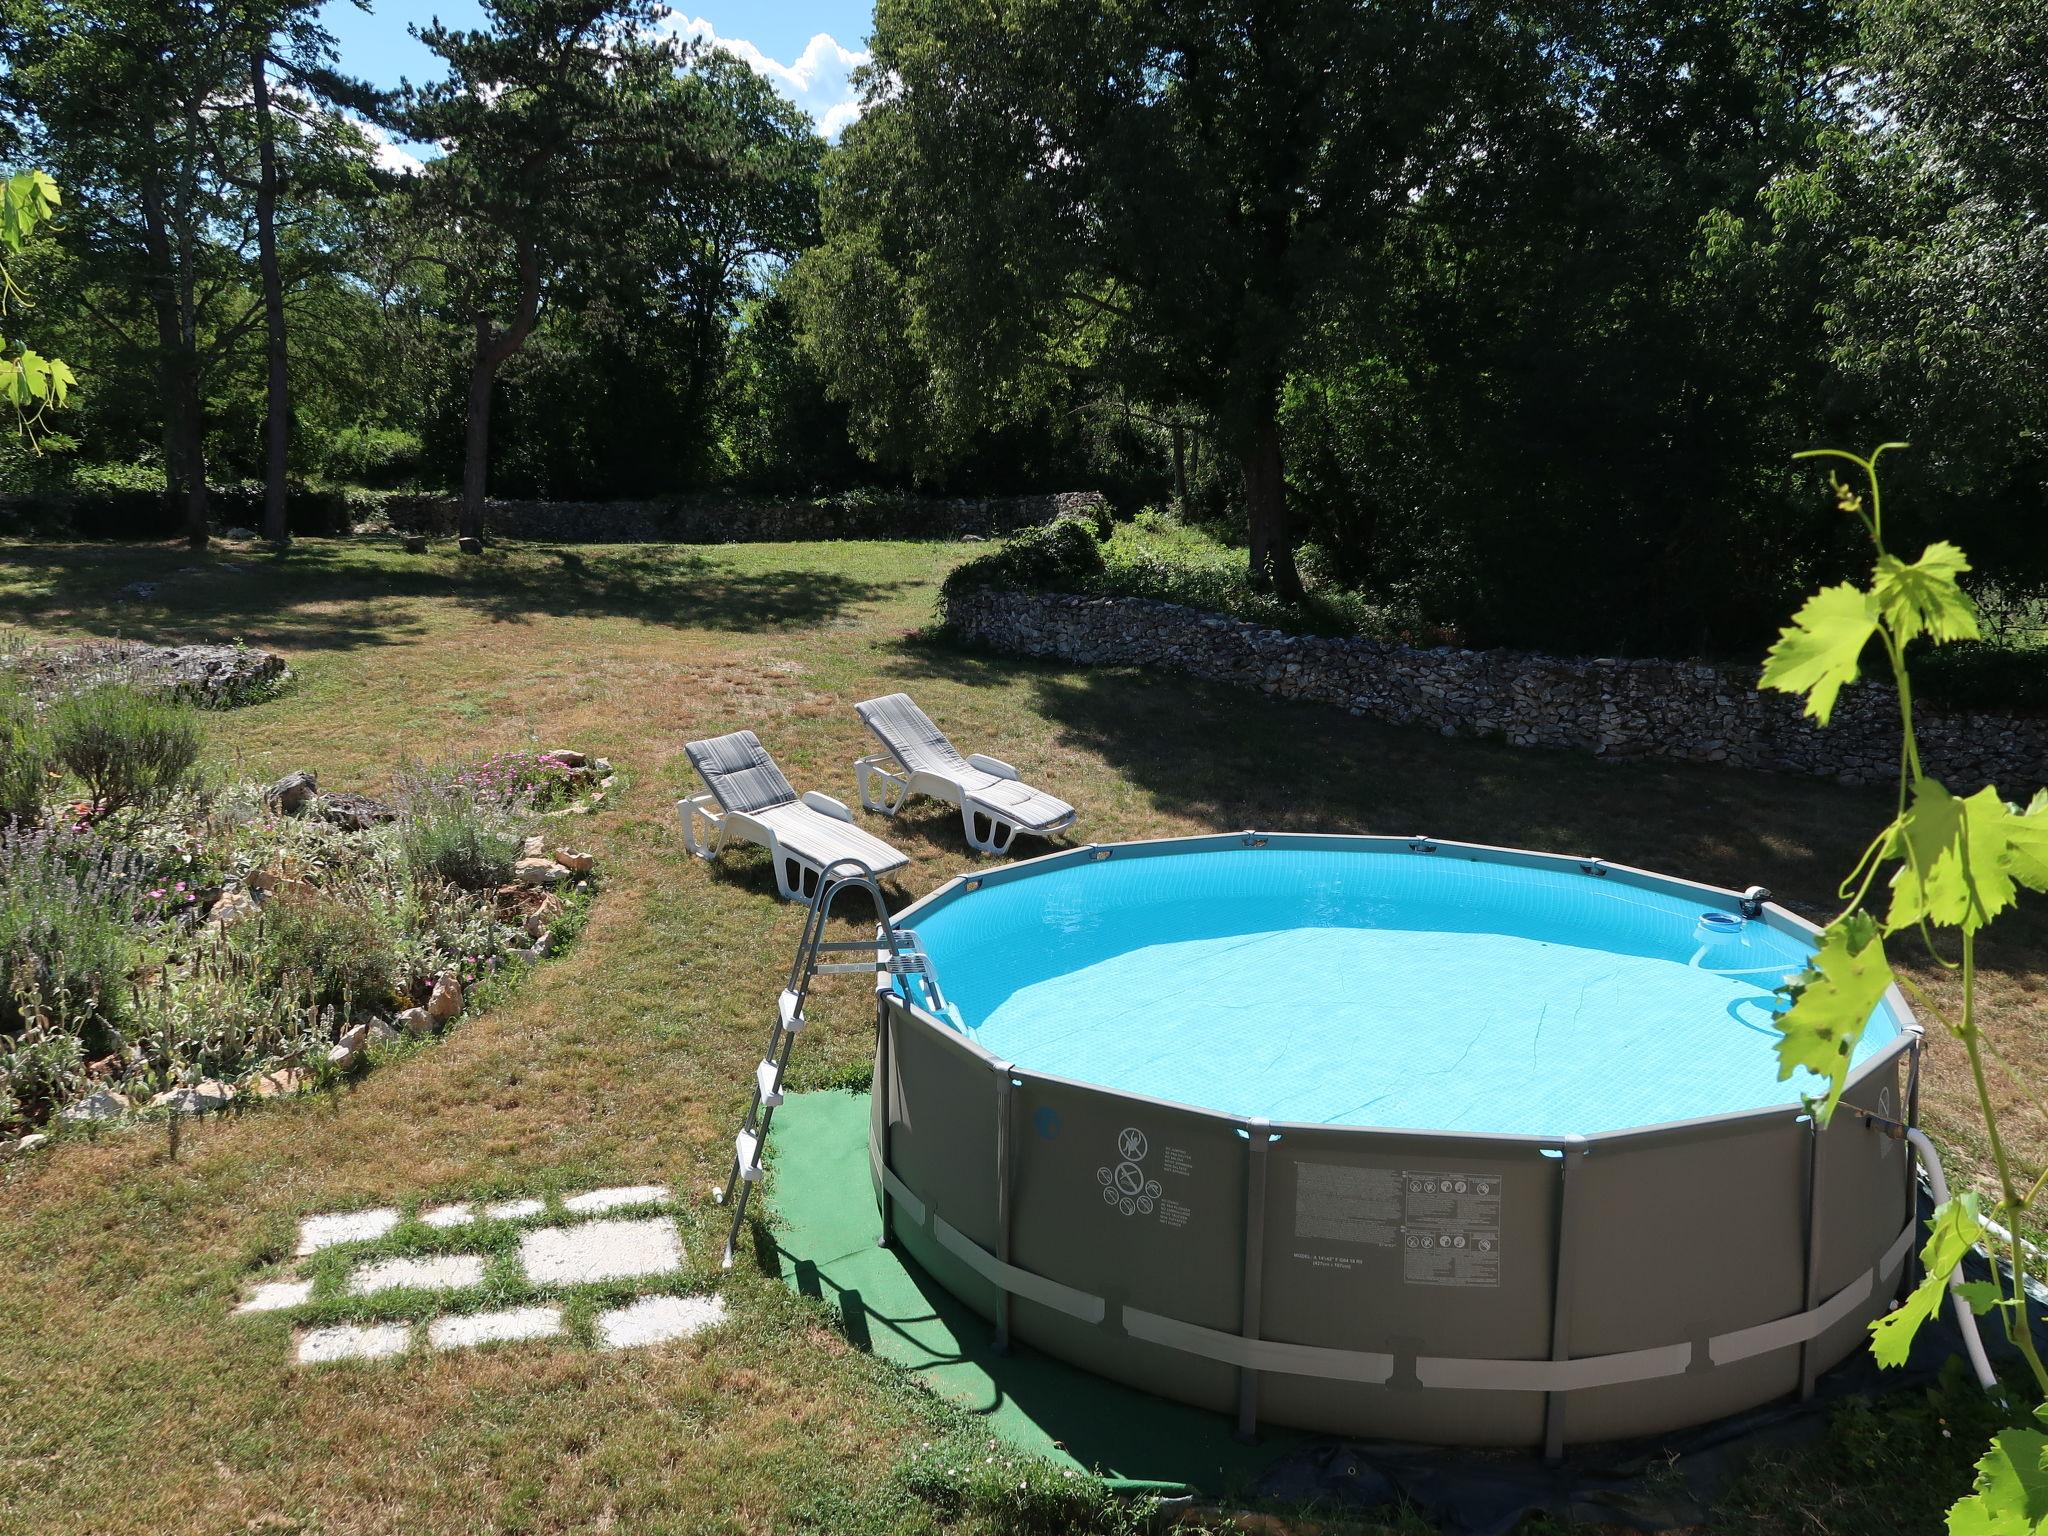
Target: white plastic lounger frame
(995, 804)
(750, 800)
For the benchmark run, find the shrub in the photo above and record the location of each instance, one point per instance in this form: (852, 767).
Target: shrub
(65, 943)
(336, 950)
(1063, 555)
(24, 756)
(456, 832)
(127, 746)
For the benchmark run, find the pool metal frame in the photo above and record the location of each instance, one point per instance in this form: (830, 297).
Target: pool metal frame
(1684, 1271)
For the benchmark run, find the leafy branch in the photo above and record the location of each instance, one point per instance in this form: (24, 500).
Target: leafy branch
(1955, 864)
(30, 382)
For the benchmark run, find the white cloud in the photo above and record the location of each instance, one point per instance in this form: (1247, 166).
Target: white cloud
(818, 79)
(387, 153)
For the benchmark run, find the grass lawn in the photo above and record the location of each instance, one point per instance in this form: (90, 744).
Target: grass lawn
(131, 1400)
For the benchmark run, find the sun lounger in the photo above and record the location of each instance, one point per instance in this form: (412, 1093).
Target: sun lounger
(995, 804)
(751, 801)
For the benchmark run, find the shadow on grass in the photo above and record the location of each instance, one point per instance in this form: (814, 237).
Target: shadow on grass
(335, 594)
(1233, 759)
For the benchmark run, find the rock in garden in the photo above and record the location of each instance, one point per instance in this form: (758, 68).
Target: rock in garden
(32, 1142)
(232, 907)
(575, 862)
(103, 1105)
(245, 535)
(197, 1099)
(380, 1033)
(446, 1001)
(415, 543)
(290, 793)
(568, 757)
(540, 870)
(282, 1083)
(533, 848)
(415, 1021)
(204, 674)
(356, 813)
(342, 1054)
(601, 766)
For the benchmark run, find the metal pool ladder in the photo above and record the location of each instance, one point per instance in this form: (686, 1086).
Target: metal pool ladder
(893, 951)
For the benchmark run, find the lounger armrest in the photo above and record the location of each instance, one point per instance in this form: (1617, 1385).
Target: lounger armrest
(994, 765)
(825, 805)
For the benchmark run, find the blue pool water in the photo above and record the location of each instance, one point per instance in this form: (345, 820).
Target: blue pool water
(1349, 987)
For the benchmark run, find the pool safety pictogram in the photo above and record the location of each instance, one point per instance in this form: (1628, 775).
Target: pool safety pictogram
(1126, 1186)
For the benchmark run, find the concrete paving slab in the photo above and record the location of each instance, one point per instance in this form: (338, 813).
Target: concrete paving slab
(593, 1201)
(317, 1232)
(449, 1215)
(494, 1327)
(377, 1341)
(601, 1250)
(438, 1272)
(277, 1296)
(515, 1210)
(657, 1320)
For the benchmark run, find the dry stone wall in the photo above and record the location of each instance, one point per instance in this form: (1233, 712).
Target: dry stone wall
(1617, 709)
(744, 520)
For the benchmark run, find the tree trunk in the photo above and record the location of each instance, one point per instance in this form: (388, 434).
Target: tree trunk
(1265, 499)
(492, 348)
(1180, 468)
(184, 449)
(193, 451)
(476, 445)
(277, 414)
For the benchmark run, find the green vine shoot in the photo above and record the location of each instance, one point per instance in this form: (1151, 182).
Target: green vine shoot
(1936, 875)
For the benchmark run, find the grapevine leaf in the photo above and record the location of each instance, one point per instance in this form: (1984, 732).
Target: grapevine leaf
(1832, 1001)
(1954, 1230)
(1982, 1296)
(1956, 857)
(2010, 1497)
(2026, 841)
(1923, 598)
(1817, 656)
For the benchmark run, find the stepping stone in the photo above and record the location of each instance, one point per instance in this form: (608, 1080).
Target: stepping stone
(441, 1272)
(613, 1199)
(657, 1319)
(378, 1341)
(317, 1232)
(601, 1250)
(449, 1215)
(515, 1210)
(492, 1327)
(278, 1296)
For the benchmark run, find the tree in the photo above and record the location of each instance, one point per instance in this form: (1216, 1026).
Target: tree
(1165, 196)
(284, 36)
(557, 126)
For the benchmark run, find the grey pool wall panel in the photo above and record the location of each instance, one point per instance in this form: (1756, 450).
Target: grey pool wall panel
(1429, 1286)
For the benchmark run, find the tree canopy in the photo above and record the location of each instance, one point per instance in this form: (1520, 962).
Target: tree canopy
(1508, 317)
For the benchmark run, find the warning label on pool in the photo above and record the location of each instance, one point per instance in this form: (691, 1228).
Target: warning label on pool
(1351, 1205)
(1450, 1228)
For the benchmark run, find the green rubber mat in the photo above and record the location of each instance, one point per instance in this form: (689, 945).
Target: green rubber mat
(823, 1225)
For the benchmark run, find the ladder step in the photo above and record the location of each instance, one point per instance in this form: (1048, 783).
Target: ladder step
(769, 1081)
(747, 1149)
(792, 1010)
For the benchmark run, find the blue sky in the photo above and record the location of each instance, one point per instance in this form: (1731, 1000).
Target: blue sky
(806, 48)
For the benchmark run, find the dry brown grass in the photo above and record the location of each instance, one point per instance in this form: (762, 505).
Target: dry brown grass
(132, 1400)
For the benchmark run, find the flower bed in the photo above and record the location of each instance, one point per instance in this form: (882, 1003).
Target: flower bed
(207, 943)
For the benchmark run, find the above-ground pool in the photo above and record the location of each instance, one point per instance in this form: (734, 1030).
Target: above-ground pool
(1387, 1137)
